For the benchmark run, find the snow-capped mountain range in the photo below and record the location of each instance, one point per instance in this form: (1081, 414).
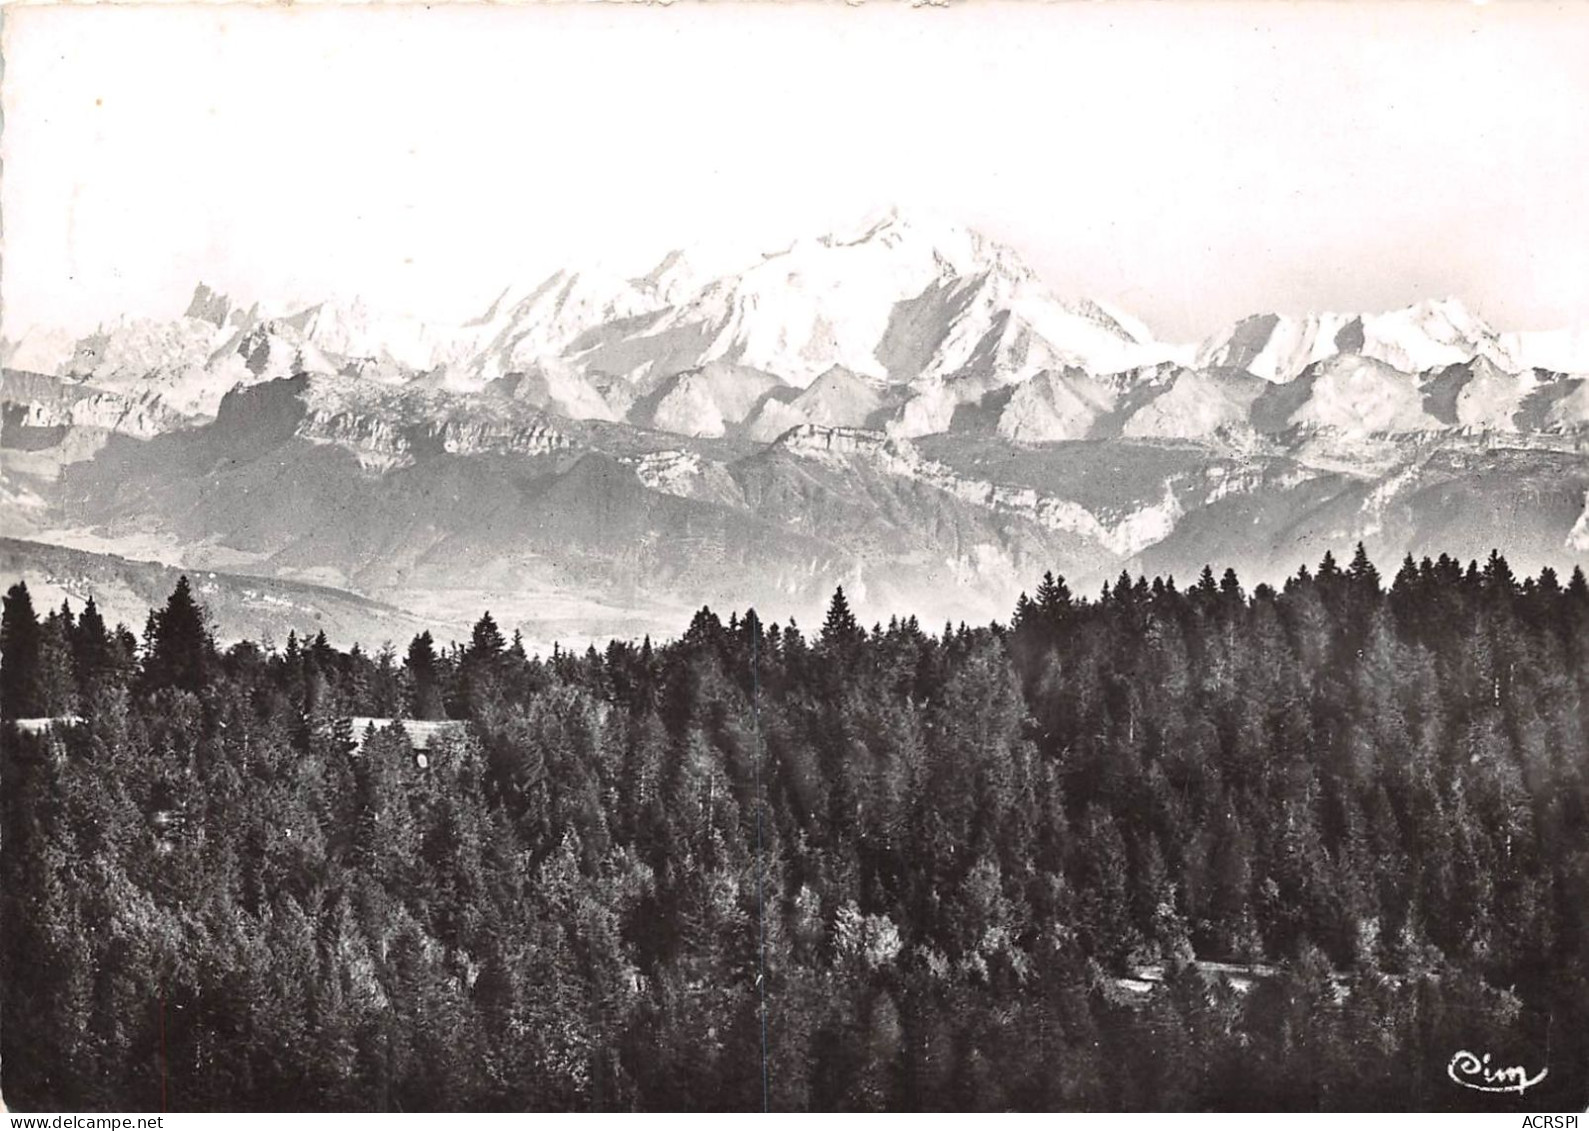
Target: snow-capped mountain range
(904, 408)
(901, 324)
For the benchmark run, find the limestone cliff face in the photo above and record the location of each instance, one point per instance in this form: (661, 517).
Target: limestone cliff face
(473, 437)
(1123, 532)
(819, 441)
(141, 417)
(71, 421)
(687, 475)
(388, 428)
(377, 442)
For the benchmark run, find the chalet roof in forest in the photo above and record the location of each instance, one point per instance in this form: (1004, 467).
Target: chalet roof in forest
(44, 723)
(421, 732)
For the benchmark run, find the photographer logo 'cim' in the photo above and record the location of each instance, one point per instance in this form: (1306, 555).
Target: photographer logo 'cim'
(1473, 1071)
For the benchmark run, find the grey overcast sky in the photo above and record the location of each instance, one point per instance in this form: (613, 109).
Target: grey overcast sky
(1189, 162)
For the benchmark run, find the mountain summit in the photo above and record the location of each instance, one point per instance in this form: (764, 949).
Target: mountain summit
(902, 299)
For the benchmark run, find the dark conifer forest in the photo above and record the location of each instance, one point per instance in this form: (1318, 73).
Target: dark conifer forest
(1158, 848)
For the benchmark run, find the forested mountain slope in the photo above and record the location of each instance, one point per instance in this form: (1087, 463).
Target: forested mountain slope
(1369, 799)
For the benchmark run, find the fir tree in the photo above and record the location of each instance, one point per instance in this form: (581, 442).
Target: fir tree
(20, 691)
(486, 642)
(841, 632)
(421, 665)
(181, 650)
(1053, 599)
(91, 649)
(1363, 575)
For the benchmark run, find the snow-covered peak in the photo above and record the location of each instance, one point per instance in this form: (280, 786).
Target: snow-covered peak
(1109, 315)
(1278, 347)
(820, 303)
(1430, 334)
(1426, 335)
(129, 348)
(903, 297)
(352, 329)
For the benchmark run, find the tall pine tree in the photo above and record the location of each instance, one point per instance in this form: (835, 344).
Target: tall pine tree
(19, 655)
(182, 651)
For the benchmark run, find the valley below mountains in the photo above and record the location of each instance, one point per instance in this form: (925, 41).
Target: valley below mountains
(905, 410)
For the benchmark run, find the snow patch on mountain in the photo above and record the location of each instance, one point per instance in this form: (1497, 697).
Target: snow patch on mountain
(1014, 328)
(1578, 536)
(670, 472)
(1360, 396)
(687, 475)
